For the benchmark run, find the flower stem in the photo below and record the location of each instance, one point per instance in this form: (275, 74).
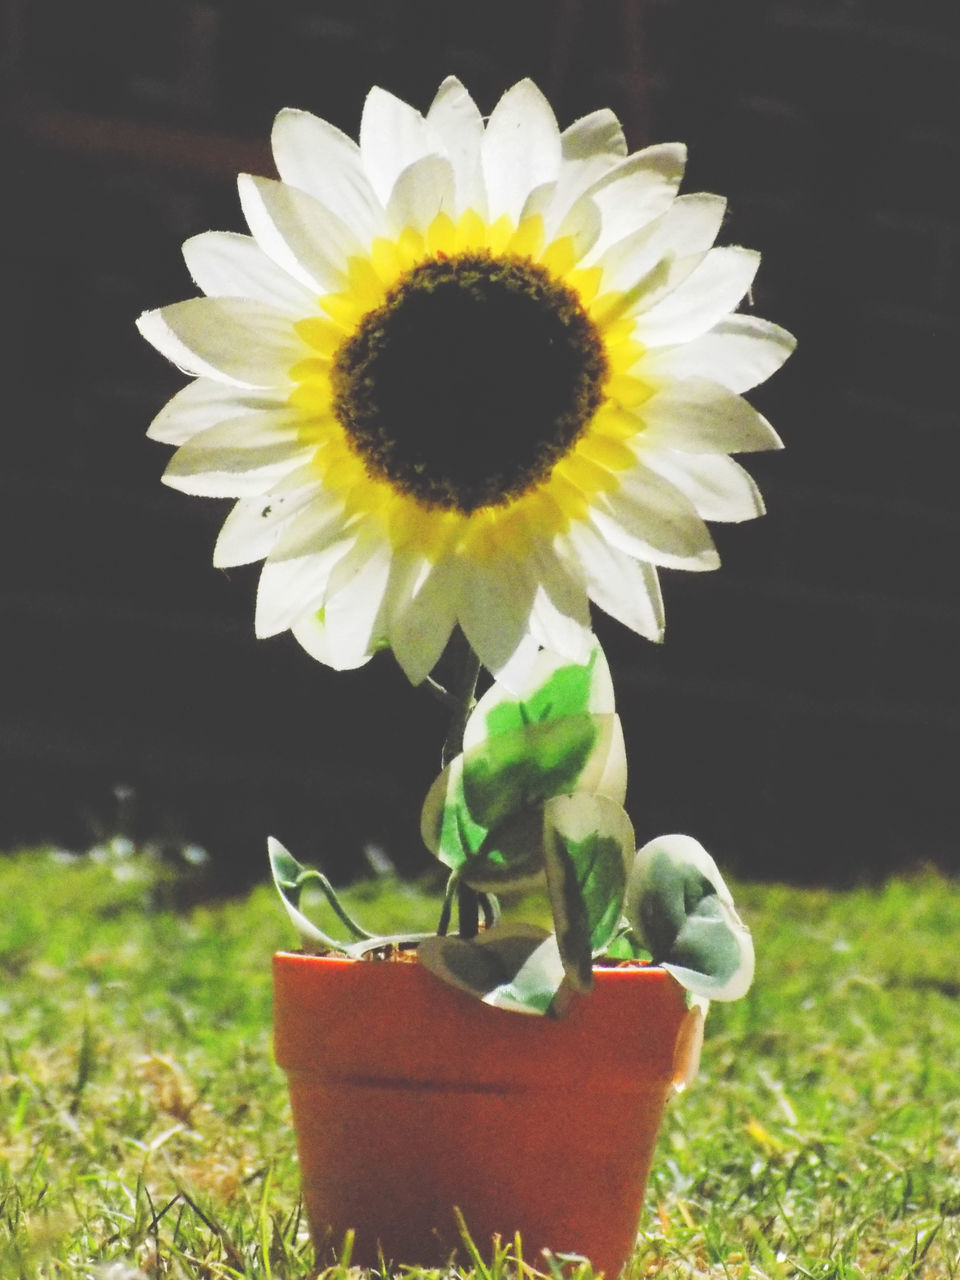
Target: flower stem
(462, 700)
(468, 911)
(448, 897)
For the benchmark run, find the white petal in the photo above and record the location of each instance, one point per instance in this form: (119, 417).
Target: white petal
(691, 223)
(539, 202)
(582, 223)
(351, 605)
(560, 617)
(627, 589)
(521, 149)
(684, 233)
(408, 569)
(664, 276)
(717, 486)
(253, 526)
(316, 157)
(311, 528)
(590, 148)
(709, 294)
(511, 674)
(202, 404)
(393, 135)
(291, 589)
(421, 621)
(311, 634)
(652, 263)
(563, 214)
(639, 188)
(424, 189)
(278, 426)
(229, 339)
(253, 482)
(649, 519)
(456, 121)
(598, 134)
(228, 265)
(739, 353)
(495, 603)
(697, 416)
(240, 457)
(297, 232)
(315, 637)
(556, 630)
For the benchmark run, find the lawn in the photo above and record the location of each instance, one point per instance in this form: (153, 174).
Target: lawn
(144, 1129)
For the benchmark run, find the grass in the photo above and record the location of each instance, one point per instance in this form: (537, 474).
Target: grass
(144, 1129)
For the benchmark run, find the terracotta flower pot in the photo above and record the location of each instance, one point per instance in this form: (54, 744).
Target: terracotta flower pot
(410, 1097)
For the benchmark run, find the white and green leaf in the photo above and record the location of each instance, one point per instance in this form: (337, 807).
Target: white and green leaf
(625, 945)
(515, 967)
(291, 879)
(588, 844)
(678, 903)
(481, 816)
(551, 688)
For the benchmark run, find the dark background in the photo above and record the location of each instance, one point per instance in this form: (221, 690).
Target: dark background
(802, 717)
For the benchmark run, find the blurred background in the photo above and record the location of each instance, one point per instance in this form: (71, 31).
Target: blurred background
(802, 717)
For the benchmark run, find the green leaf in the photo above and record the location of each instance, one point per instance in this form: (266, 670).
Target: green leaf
(708, 958)
(511, 856)
(551, 734)
(587, 848)
(447, 828)
(626, 946)
(513, 967)
(481, 815)
(539, 986)
(565, 692)
(526, 766)
(678, 902)
(551, 688)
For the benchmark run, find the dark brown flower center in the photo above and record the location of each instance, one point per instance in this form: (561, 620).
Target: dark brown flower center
(470, 381)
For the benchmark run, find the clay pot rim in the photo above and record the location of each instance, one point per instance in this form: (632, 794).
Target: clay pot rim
(612, 974)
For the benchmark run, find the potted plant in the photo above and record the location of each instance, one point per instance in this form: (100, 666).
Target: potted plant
(464, 378)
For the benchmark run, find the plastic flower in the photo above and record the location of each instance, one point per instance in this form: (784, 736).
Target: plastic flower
(466, 373)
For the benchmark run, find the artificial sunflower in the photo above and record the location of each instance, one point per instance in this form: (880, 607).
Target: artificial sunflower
(466, 373)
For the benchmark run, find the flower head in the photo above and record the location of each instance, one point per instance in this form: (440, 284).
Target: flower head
(466, 373)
